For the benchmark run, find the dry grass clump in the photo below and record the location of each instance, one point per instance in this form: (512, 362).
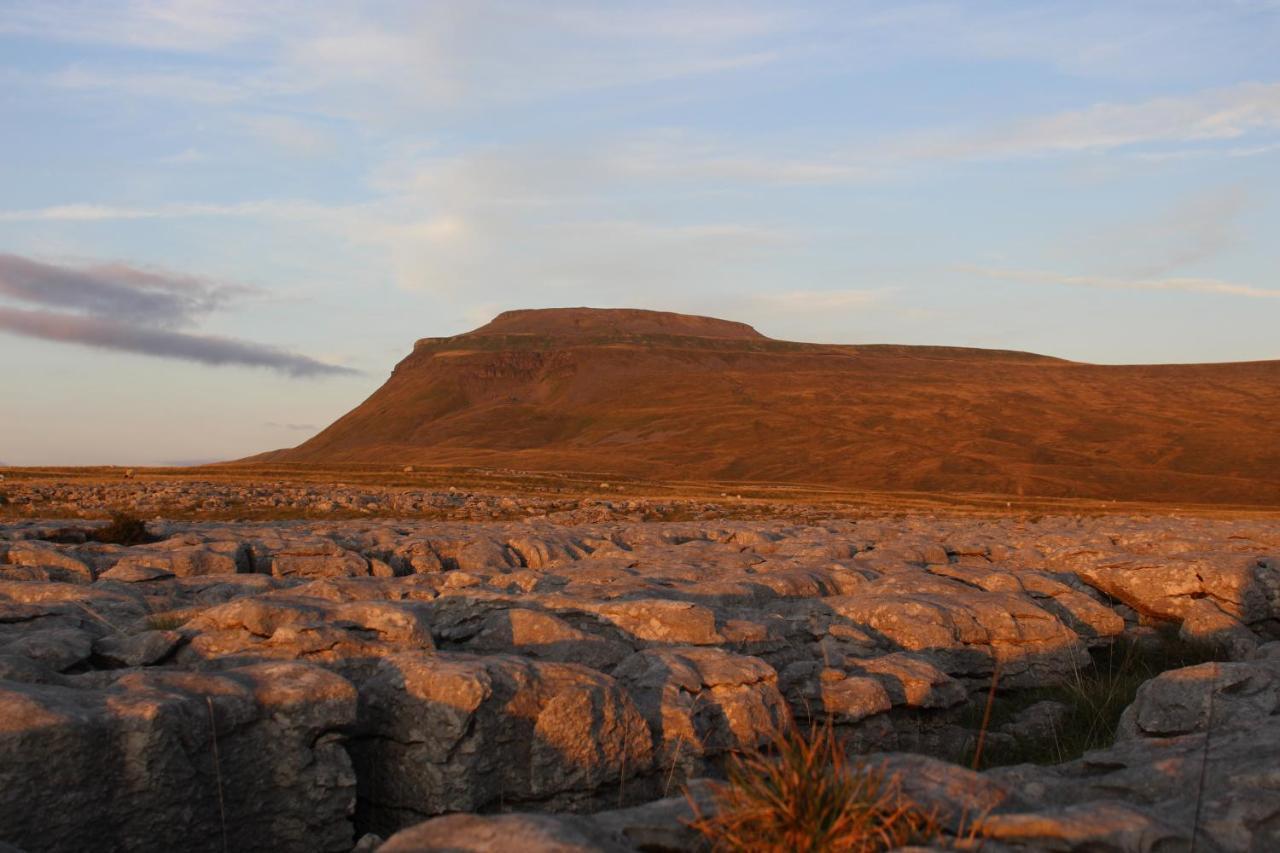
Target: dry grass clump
(800, 793)
(167, 621)
(124, 529)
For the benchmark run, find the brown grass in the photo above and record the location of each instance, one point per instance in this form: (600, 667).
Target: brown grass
(627, 401)
(800, 793)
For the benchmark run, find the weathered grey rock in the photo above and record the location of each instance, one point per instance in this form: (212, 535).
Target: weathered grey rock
(965, 630)
(1231, 780)
(57, 648)
(1040, 722)
(819, 692)
(289, 627)
(42, 555)
(659, 620)
(530, 833)
(158, 761)
(910, 680)
(319, 558)
(701, 702)
(42, 574)
(184, 561)
(456, 732)
(557, 634)
(129, 572)
(1237, 587)
(662, 824)
(955, 796)
(545, 636)
(20, 668)
(1235, 696)
(1084, 827)
(143, 649)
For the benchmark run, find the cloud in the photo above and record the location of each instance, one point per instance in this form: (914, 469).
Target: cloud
(1183, 284)
(170, 85)
(1210, 116)
(195, 26)
(292, 427)
(119, 307)
(349, 59)
(816, 301)
(1193, 230)
(141, 296)
(290, 134)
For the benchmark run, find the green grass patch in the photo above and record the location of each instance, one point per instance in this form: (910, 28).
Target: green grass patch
(1093, 697)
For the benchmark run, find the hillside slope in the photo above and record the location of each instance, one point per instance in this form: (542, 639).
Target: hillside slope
(657, 395)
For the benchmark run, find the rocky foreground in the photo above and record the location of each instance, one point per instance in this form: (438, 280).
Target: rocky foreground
(321, 686)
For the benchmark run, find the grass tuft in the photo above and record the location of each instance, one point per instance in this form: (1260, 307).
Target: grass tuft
(1094, 698)
(167, 621)
(123, 529)
(800, 793)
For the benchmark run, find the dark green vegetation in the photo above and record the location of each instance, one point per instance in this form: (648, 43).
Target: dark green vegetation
(1093, 697)
(123, 529)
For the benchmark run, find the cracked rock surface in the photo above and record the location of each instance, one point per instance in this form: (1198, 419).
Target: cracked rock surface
(301, 685)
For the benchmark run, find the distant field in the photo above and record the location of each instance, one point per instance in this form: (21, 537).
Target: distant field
(730, 498)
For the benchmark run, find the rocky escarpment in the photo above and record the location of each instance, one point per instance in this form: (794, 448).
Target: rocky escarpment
(298, 685)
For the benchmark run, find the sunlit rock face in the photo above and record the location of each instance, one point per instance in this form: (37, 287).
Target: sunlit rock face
(298, 685)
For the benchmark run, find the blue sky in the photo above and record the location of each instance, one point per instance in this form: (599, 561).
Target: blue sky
(223, 222)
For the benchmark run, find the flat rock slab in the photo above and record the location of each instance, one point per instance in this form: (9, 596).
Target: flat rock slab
(365, 676)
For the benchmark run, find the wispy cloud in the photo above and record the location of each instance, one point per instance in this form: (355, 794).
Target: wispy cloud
(1190, 232)
(1215, 115)
(196, 26)
(1183, 284)
(291, 134)
(817, 301)
(292, 427)
(119, 307)
(93, 212)
(116, 290)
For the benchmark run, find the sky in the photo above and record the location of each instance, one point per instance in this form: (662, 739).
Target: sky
(222, 223)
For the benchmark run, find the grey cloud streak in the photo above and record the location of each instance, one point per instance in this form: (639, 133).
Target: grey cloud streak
(124, 308)
(113, 290)
(206, 349)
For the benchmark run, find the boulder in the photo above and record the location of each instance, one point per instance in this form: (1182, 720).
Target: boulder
(459, 732)
(345, 634)
(1235, 696)
(47, 556)
(657, 620)
(59, 649)
(250, 759)
(701, 702)
(545, 636)
(531, 833)
(142, 649)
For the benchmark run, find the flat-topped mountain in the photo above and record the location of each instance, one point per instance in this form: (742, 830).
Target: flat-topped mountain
(614, 322)
(676, 397)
